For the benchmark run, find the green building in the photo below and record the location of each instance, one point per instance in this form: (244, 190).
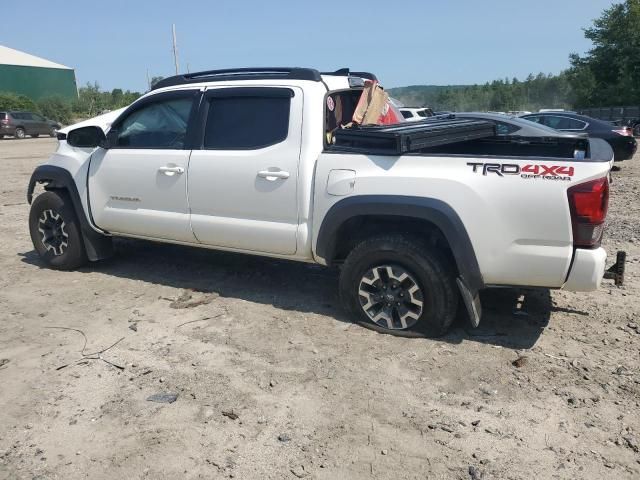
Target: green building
(35, 77)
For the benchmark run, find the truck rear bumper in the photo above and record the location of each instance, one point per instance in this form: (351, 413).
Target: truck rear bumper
(587, 270)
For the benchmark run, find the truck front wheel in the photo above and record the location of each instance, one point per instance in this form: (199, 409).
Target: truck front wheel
(398, 285)
(55, 231)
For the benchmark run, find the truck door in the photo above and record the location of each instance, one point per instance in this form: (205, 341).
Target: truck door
(242, 183)
(138, 186)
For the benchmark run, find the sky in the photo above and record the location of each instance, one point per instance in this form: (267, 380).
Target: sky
(409, 42)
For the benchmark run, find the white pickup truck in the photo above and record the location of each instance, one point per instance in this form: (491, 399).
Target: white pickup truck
(418, 215)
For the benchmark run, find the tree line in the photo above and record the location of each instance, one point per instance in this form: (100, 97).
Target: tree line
(533, 93)
(607, 75)
(91, 102)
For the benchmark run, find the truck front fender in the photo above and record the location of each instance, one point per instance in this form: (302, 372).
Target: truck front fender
(97, 245)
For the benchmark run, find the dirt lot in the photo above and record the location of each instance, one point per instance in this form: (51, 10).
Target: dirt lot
(274, 382)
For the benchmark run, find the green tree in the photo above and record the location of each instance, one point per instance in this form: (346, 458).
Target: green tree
(56, 108)
(154, 80)
(90, 100)
(609, 73)
(93, 101)
(11, 101)
(117, 96)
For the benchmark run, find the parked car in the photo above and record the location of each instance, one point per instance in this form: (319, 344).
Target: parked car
(415, 114)
(621, 139)
(235, 160)
(21, 124)
(556, 110)
(628, 116)
(512, 125)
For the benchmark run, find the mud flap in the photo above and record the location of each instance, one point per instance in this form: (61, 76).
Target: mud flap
(471, 302)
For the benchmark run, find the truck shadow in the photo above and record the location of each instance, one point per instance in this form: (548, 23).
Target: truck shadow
(512, 318)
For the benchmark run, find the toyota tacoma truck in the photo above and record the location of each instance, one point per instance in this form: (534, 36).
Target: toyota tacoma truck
(296, 164)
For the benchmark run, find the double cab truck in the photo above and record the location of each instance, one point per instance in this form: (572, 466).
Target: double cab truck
(419, 216)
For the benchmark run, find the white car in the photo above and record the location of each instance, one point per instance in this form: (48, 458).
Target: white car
(413, 114)
(269, 162)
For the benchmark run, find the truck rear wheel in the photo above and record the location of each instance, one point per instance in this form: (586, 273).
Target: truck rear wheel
(55, 231)
(399, 285)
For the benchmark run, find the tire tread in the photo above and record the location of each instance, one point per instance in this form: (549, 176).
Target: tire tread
(417, 248)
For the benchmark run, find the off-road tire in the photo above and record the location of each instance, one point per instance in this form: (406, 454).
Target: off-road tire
(19, 133)
(55, 207)
(424, 265)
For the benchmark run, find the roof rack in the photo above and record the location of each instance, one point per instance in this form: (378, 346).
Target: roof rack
(262, 73)
(345, 72)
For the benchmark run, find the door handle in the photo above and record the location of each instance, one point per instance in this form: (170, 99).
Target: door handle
(273, 175)
(170, 171)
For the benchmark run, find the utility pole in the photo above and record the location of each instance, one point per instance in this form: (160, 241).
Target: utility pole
(148, 80)
(175, 48)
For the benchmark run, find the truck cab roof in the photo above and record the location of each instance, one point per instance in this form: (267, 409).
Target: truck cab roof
(337, 80)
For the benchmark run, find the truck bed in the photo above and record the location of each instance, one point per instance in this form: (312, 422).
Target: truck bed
(411, 136)
(458, 136)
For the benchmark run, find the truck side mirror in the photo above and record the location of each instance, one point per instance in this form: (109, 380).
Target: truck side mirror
(86, 137)
(112, 139)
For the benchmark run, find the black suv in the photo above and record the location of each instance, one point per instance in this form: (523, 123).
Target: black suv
(21, 124)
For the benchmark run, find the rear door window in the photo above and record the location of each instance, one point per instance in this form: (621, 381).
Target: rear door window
(506, 128)
(247, 120)
(564, 123)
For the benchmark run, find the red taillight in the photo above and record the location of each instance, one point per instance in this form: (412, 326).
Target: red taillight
(4, 121)
(588, 203)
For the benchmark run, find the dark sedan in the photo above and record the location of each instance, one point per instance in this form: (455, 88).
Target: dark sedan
(622, 142)
(512, 125)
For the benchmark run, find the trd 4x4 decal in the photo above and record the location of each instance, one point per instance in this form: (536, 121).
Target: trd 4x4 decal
(547, 172)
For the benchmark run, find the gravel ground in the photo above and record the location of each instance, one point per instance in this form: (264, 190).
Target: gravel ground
(272, 381)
